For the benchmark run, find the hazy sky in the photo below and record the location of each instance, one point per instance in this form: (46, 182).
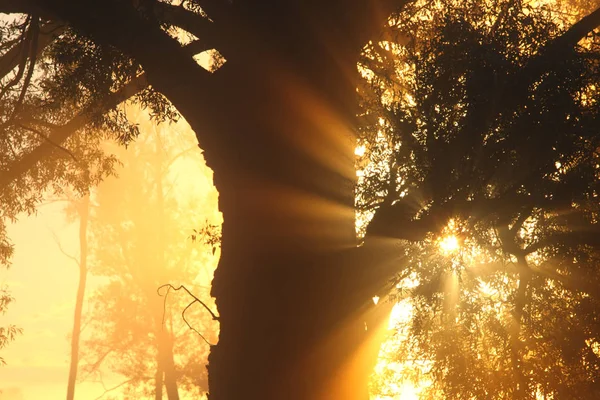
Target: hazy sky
(44, 283)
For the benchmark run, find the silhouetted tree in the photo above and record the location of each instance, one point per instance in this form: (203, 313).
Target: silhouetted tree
(265, 148)
(484, 125)
(277, 122)
(78, 208)
(35, 161)
(141, 240)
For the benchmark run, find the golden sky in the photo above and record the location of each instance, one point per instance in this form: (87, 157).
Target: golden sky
(44, 283)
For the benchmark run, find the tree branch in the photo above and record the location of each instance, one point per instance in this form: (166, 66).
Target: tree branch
(60, 134)
(187, 20)
(590, 237)
(47, 33)
(196, 300)
(175, 74)
(517, 89)
(106, 391)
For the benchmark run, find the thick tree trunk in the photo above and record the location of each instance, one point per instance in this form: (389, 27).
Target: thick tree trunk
(292, 314)
(277, 129)
(83, 208)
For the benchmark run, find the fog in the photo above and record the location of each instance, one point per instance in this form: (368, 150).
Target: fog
(139, 236)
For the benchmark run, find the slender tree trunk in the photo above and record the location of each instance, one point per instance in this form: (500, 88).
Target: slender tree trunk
(158, 379)
(164, 335)
(83, 250)
(170, 377)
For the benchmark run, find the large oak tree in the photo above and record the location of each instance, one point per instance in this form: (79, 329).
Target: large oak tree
(277, 122)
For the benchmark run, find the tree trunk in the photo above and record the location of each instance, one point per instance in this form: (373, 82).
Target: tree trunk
(158, 379)
(164, 335)
(170, 373)
(276, 122)
(83, 250)
(292, 305)
(166, 366)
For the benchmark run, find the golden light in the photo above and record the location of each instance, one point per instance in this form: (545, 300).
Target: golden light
(360, 150)
(449, 245)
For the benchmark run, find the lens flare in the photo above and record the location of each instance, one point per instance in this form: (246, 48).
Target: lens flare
(449, 245)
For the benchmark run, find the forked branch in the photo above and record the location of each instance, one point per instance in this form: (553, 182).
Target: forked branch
(196, 300)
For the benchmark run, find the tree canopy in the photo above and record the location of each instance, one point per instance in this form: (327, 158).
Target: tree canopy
(478, 136)
(482, 128)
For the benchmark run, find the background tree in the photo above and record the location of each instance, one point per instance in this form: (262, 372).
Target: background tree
(482, 133)
(134, 333)
(77, 209)
(37, 159)
(7, 333)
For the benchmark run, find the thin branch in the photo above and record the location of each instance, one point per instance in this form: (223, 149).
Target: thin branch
(48, 32)
(168, 285)
(93, 368)
(190, 326)
(196, 47)
(196, 300)
(178, 156)
(62, 250)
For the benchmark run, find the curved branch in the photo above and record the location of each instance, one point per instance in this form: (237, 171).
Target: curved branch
(171, 71)
(196, 299)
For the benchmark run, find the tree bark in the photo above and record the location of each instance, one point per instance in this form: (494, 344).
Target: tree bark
(292, 312)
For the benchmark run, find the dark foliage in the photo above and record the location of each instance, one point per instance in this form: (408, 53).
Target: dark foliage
(482, 124)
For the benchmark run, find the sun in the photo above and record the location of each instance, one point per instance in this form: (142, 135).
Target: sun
(449, 244)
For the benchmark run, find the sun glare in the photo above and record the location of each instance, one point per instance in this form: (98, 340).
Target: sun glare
(449, 244)
(360, 150)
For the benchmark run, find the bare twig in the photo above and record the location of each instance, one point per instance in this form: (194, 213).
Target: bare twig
(196, 300)
(62, 250)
